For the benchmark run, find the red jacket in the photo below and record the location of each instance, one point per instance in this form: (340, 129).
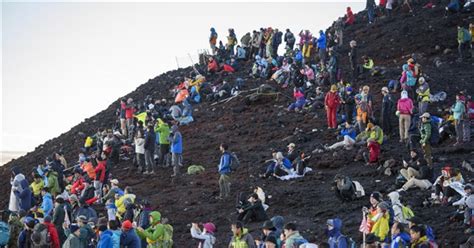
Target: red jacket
(350, 18)
(100, 171)
(332, 100)
(228, 68)
(77, 186)
(405, 106)
(53, 234)
(382, 3)
(129, 111)
(212, 66)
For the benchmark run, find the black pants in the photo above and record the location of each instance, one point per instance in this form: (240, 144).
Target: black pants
(164, 154)
(447, 191)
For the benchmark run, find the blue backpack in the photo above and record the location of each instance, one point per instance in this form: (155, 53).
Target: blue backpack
(299, 242)
(4, 233)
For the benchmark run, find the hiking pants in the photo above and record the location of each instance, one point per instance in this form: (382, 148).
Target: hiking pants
(322, 54)
(447, 191)
(413, 182)
(141, 161)
(98, 188)
(123, 126)
(427, 153)
(409, 173)
(466, 130)
(422, 107)
(176, 162)
(404, 125)
(149, 161)
(458, 125)
(347, 142)
(463, 48)
(331, 117)
(164, 153)
(224, 185)
(371, 13)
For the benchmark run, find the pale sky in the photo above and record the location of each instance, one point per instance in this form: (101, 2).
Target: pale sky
(64, 62)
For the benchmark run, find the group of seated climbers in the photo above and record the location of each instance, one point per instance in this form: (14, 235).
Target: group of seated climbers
(292, 163)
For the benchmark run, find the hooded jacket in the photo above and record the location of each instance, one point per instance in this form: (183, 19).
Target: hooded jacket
(425, 132)
(332, 99)
(336, 239)
(164, 130)
(54, 234)
(405, 106)
(322, 40)
(244, 240)
(14, 203)
(24, 195)
(293, 238)
(53, 184)
(47, 204)
(207, 239)
(130, 239)
(397, 207)
(224, 165)
(36, 187)
(120, 203)
(176, 140)
(349, 17)
(105, 240)
(400, 240)
(156, 235)
(458, 110)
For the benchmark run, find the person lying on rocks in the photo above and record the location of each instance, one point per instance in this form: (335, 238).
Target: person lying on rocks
(252, 210)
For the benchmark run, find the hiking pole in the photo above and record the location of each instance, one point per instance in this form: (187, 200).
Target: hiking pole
(192, 63)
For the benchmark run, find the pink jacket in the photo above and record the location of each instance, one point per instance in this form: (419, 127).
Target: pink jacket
(405, 106)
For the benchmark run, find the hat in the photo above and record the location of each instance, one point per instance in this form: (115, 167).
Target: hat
(291, 145)
(330, 222)
(127, 225)
(404, 94)
(59, 197)
(82, 218)
(426, 115)
(114, 181)
(210, 227)
(27, 219)
(421, 80)
(349, 89)
(384, 89)
(383, 205)
(415, 220)
(333, 88)
(73, 228)
(268, 225)
(370, 125)
(377, 196)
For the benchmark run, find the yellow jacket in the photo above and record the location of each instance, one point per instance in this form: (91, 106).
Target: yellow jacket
(121, 202)
(377, 134)
(36, 187)
(381, 227)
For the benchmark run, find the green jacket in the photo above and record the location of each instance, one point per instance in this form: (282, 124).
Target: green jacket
(377, 134)
(164, 130)
(158, 235)
(425, 132)
(245, 240)
(291, 240)
(53, 184)
(15, 228)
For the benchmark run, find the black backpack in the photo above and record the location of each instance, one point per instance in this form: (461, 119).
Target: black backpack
(234, 161)
(41, 236)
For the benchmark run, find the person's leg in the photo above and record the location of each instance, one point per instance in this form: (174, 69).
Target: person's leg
(328, 117)
(221, 186)
(226, 185)
(422, 184)
(174, 163)
(333, 118)
(466, 130)
(404, 173)
(147, 162)
(336, 145)
(401, 127)
(459, 130)
(427, 153)
(409, 184)
(407, 125)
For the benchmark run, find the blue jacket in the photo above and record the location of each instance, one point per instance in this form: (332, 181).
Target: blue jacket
(400, 240)
(286, 163)
(336, 239)
(351, 132)
(454, 5)
(176, 143)
(458, 110)
(224, 165)
(47, 204)
(130, 239)
(105, 240)
(322, 40)
(240, 53)
(150, 138)
(24, 196)
(116, 238)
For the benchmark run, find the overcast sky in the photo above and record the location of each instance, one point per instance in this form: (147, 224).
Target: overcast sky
(64, 62)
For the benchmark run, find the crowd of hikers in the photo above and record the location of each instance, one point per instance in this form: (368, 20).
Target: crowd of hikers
(56, 203)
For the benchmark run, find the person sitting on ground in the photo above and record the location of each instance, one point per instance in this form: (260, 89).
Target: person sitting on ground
(283, 165)
(464, 211)
(344, 188)
(316, 100)
(410, 168)
(334, 229)
(300, 100)
(367, 66)
(292, 154)
(292, 236)
(348, 134)
(241, 236)
(252, 211)
(88, 193)
(447, 183)
(422, 179)
(212, 66)
(206, 236)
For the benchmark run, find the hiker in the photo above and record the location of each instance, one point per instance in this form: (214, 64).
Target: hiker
(143, 219)
(292, 236)
(276, 41)
(24, 195)
(348, 103)
(252, 211)
(368, 65)
(322, 46)
(374, 142)
(149, 146)
(364, 107)
(387, 111)
(423, 92)
(116, 233)
(224, 172)
(399, 211)
(291, 154)
(300, 100)
(246, 43)
(111, 191)
(404, 112)
(53, 233)
(425, 133)
(88, 193)
(105, 237)
(453, 7)
(212, 66)
(47, 202)
(159, 234)
(446, 184)
(73, 240)
(348, 134)
(350, 18)
(290, 39)
(59, 218)
(123, 201)
(336, 238)
(317, 100)
(305, 43)
(140, 151)
(255, 44)
(270, 235)
(464, 41)
(24, 239)
(37, 185)
(421, 178)
(389, 7)
(332, 66)
(459, 114)
(129, 237)
(370, 7)
(206, 236)
(176, 141)
(241, 237)
(53, 184)
(346, 189)
(353, 58)
(418, 237)
(465, 206)
(282, 165)
(163, 130)
(129, 113)
(231, 41)
(13, 230)
(381, 227)
(331, 103)
(213, 41)
(399, 237)
(100, 178)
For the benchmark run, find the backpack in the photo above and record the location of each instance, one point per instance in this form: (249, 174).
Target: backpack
(41, 236)
(234, 161)
(167, 240)
(4, 233)
(466, 36)
(407, 212)
(299, 242)
(350, 242)
(434, 139)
